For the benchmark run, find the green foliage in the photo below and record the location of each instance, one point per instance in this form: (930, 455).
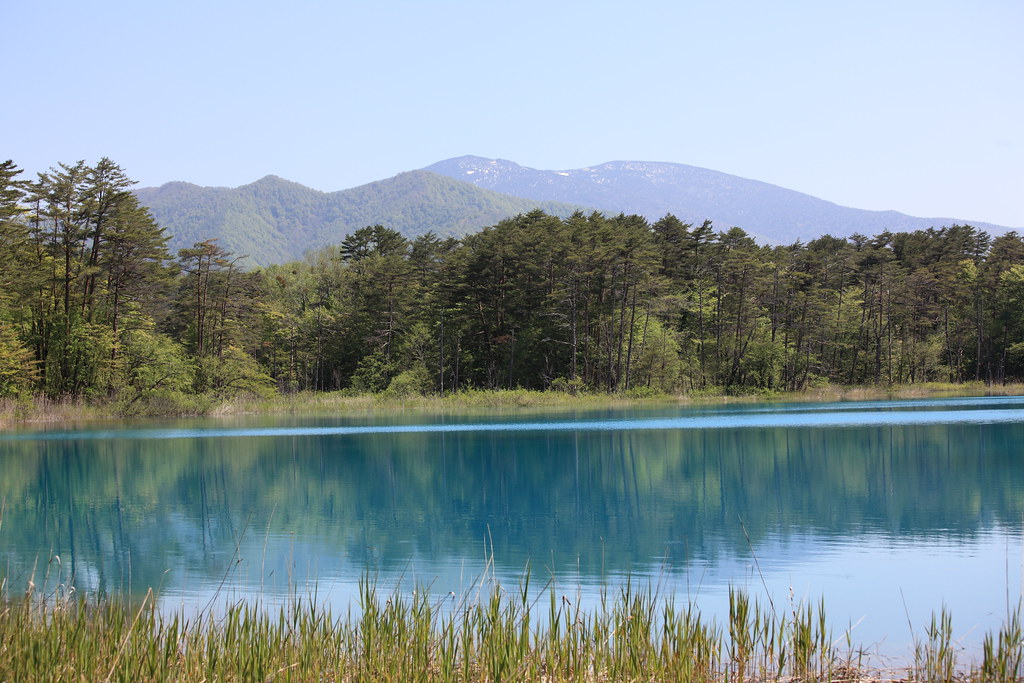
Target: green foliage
(494, 634)
(153, 362)
(79, 360)
(18, 371)
(166, 403)
(568, 301)
(233, 373)
(573, 387)
(78, 254)
(412, 382)
(373, 374)
(658, 366)
(273, 220)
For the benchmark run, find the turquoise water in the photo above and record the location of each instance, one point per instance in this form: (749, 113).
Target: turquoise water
(887, 509)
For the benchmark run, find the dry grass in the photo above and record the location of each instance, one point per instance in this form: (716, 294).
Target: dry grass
(42, 409)
(72, 411)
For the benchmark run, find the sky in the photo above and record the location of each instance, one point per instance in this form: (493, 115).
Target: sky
(911, 105)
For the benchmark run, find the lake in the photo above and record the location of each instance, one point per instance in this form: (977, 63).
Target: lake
(886, 509)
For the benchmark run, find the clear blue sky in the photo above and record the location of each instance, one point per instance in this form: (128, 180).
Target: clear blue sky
(910, 105)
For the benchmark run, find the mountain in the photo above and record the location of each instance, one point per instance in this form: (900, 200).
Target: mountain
(274, 220)
(767, 212)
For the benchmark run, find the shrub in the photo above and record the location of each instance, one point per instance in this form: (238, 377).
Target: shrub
(412, 382)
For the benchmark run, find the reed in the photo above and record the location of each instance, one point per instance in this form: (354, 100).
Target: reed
(488, 634)
(175, 404)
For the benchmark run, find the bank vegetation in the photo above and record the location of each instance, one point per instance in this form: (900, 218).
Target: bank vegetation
(95, 311)
(492, 633)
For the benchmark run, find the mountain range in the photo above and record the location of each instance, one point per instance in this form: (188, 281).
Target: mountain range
(274, 220)
(652, 189)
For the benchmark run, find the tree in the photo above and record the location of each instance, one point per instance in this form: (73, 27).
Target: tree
(209, 269)
(80, 249)
(17, 367)
(153, 363)
(379, 261)
(135, 261)
(106, 202)
(1010, 303)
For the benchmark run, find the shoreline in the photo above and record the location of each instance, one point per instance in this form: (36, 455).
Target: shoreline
(41, 410)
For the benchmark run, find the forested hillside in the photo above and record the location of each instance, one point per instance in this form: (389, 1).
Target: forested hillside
(93, 304)
(274, 220)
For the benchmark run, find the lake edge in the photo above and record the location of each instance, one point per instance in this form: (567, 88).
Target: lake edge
(40, 410)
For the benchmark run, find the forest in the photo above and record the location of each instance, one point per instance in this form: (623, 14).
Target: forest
(93, 306)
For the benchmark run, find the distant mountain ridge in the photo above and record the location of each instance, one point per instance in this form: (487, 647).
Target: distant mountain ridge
(653, 189)
(274, 220)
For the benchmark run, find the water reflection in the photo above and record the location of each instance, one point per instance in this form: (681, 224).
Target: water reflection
(923, 498)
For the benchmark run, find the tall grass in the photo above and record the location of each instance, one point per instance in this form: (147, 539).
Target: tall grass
(492, 634)
(175, 404)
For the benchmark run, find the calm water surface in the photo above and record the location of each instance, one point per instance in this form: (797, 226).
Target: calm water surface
(887, 509)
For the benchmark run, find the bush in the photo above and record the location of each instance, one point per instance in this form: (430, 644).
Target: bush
(165, 403)
(234, 373)
(373, 374)
(412, 382)
(573, 387)
(17, 369)
(644, 392)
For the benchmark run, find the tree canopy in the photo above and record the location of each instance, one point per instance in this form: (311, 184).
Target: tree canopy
(93, 304)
